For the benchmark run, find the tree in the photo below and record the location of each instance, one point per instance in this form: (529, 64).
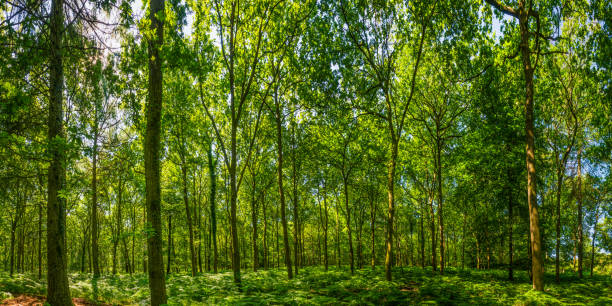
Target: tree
(157, 283)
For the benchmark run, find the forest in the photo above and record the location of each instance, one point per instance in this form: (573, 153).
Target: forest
(198, 152)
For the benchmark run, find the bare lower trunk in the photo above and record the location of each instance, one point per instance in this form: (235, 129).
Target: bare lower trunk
(157, 283)
(58, 292)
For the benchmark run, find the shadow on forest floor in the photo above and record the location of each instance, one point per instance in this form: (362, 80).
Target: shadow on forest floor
(314, 286)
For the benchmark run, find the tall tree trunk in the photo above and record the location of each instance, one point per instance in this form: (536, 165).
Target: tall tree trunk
(40, 220)
(348, 225)
(528, 70)
(265, 231)
(432, 227)
(254, 224)
(593, 240)
(373, 231)
(189, 219)
(325, 228)
(510, 224)
(281, 191)
(296, 209)
(391, 200)
(157, 282)
(169, 247)
(94, 201)
(58, 292)
(213, 205)
(580, 234)
(440, 214)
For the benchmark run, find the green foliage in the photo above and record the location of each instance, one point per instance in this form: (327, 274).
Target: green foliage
(313, 286)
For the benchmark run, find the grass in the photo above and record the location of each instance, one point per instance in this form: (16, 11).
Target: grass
(313, 286)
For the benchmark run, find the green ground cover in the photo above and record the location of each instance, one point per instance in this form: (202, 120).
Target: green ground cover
(314, 286)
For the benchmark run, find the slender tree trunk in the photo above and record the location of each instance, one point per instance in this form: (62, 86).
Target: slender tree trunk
(440, 214)
(373, 231)
(189, 219)
(265, 232)
(254, 223)
(510, 225)
(281, 191)
(391, 198)
(58, 292)
(169, 249)
(580, 234)
(296, 210)
(213, 206)
(432, 226)
(325, 229)
(94, 201)
(40, 220)
(157, 282)
(348, 225)
(558, 223)
(593, 240)
(12, 252)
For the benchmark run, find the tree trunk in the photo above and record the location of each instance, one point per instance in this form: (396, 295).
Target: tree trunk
(580, 234)
(94, 201)
(391, 198)
(528, 70)
(593, 240)
(213, 206)
(188, 213)
(254, 223)
(373, 231)
(348, 225)
(157, 283)
(58, 292)
(281, 191)
(296, 210)
(510, 224)
(169, 249)
(432, 227)
(440, 215)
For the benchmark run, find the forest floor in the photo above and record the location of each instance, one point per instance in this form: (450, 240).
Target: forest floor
(314, 286)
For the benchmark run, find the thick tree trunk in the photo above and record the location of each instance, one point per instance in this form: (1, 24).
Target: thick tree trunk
(58, 292)
(325, 229)
(157, 282)
(528, 70)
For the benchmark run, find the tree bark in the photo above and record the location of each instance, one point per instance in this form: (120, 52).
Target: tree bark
(348, 226)
(213, 206)
(188, 214)
(580, 234)
(391, 200)
(58, 292)
(157, 283)
(281, 191)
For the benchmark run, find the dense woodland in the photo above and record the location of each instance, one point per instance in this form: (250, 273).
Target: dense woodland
(180, 140)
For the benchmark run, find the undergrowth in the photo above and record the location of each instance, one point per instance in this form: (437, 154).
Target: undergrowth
(314, 286)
